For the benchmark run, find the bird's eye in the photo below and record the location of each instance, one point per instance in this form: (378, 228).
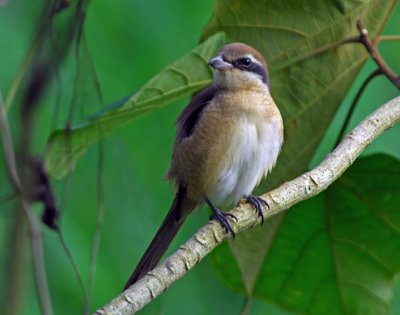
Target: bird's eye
(246, 62)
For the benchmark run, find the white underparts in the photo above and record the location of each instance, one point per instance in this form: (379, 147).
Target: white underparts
(253, 152)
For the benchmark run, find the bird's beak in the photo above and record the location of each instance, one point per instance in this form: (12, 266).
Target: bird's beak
(219, 64)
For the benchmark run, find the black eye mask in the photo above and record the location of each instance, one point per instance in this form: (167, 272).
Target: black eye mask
(247, 64)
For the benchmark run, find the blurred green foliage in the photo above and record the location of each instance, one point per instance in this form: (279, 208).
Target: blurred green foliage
(129, 42)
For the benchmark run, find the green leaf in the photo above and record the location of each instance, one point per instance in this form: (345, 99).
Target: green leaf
(183, 77)
(337, 253)
(310, 76)
(308, 85)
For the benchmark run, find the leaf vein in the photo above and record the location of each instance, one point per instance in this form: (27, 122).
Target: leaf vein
(363, 250)
(371, 293)
(390, 225)
(295, 264)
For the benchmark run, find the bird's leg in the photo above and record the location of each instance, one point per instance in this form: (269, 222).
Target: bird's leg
(221, 217)
(257, 203)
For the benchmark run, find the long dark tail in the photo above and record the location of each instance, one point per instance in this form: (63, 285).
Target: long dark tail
(180, 208)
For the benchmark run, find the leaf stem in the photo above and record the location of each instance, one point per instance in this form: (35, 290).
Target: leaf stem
(354, 104)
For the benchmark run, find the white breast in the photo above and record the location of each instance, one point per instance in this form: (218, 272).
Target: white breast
(254, 151)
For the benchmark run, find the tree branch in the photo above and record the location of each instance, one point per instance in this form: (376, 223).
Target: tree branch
(290, 193)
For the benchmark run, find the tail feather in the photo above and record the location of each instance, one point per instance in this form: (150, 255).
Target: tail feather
(180, 208)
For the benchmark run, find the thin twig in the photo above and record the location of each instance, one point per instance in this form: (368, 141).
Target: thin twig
(99, 222)
(9, 150)
(387, 38)
(33, 225)
(354, 103)
(76, 271)
(382, 69)
(21, 74)
(374, 53)
(279, 199)
(362, 39)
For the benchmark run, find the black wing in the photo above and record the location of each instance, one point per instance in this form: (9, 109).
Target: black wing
(191, 114)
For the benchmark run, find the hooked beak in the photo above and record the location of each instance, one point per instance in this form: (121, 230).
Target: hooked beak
(219, 64)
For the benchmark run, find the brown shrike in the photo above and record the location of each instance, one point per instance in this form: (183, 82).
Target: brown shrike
(228, 139)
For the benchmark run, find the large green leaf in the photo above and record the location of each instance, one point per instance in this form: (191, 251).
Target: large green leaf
(186, 75)
(307, 86)
(309, 78)
(285, 33)
(337, 253)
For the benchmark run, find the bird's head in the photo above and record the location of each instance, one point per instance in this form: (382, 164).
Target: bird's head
(239, 66)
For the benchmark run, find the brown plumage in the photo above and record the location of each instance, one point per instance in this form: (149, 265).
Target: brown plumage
(228, 139)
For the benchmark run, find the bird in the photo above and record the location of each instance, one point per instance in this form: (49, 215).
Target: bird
(228, 139)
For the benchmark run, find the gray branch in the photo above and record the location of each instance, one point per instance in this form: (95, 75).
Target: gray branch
(290, 193)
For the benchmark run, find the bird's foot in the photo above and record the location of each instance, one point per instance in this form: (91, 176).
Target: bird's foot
(222, 217)
(257, 203)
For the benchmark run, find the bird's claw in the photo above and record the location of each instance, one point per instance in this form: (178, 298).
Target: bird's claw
(258, 203)
(222, 217)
